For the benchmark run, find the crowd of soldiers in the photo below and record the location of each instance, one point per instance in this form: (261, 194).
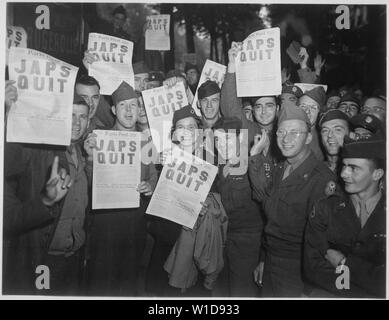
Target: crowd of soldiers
(300, 213)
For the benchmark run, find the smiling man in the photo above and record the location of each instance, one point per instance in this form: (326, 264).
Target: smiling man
(287, 198)
(334, 127)
(313, 102)
(350, 105)
(375, 106)
(117, 236)
(346, 235)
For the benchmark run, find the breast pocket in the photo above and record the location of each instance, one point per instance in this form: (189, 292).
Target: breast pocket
(292, 214)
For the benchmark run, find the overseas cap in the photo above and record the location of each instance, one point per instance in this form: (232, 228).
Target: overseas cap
(318, 94)
(373, 147)
(292, 89)
(293, 112)
(184, 112)
(208, 88)
(331, 115)
(123, 92)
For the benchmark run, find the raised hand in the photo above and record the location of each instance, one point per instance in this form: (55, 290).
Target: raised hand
(57, 186)
(90, 143)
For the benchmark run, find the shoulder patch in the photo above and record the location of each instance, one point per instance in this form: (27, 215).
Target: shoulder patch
(330, 188)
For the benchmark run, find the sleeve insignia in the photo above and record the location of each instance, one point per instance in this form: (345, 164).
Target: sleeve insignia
(330, 188)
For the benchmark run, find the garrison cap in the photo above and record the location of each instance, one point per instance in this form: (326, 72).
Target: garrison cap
(373, 147)
(292, 89)
(123, 92)
(292, 112)
(208, 88)
(366, 121)
(318, 94)
(184, 112)
(332, 114)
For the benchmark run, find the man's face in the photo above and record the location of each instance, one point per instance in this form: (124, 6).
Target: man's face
(142, 117)
(140, 81)
(375, 107)
(192, 76)
(362, 133)
(265, 110)
(349, 107)
(80, 121)
(311, 108)
(332, 102)
(185, 132)
(91, 95)
(227, 143)
(118, 20)
(332, 135)
(248, 112)
(292, 136)
(127, 113)
(357, 175)
(210, 106)
(288, 97)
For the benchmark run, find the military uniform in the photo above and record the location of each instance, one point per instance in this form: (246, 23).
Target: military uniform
(287, 204)
(333, 224)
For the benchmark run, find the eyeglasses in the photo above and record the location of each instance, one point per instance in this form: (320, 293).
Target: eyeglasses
(294, 134)
(309, 107)
(214, 102)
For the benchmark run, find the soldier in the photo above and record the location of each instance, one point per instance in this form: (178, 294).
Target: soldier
(287, 196)
(346, 234)
(117, 236)
(333, 128)
(365, 125)
(290, 93)
(313, 102)
(350, 105)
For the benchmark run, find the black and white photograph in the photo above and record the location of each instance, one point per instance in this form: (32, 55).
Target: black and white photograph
(207, 150)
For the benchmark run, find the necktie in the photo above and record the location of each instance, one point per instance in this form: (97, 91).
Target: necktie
(363, 214)
(287, 171)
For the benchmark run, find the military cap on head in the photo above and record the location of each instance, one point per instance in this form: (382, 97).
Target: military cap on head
(332, 115)
(366, 121)
(175, 73)
(184, 112)
(208, 88)
(318, 94)
(333, 93)
(350, 97)
(190, 66)
(373, 147)
(293, 112)
(123, 92)
(292, 89)
(156, 76)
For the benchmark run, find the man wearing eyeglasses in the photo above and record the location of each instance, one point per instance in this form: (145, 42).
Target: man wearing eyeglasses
(287, 197)
(312, 102)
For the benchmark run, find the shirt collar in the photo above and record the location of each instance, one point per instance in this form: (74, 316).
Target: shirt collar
(371, 203)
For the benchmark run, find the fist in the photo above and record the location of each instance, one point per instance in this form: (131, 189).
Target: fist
(88, 59)
(90, 143)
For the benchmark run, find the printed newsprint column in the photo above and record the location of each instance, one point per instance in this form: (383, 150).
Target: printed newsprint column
(212, 71)
(160, 104)
(43, 110)
(16, 37)
(258, 65)
(184, 182)
(309, 86)
(113, 61)
(157, 32)
(116, 170)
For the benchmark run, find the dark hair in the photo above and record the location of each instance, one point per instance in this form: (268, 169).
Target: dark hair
(378, 163)
(87, 81)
